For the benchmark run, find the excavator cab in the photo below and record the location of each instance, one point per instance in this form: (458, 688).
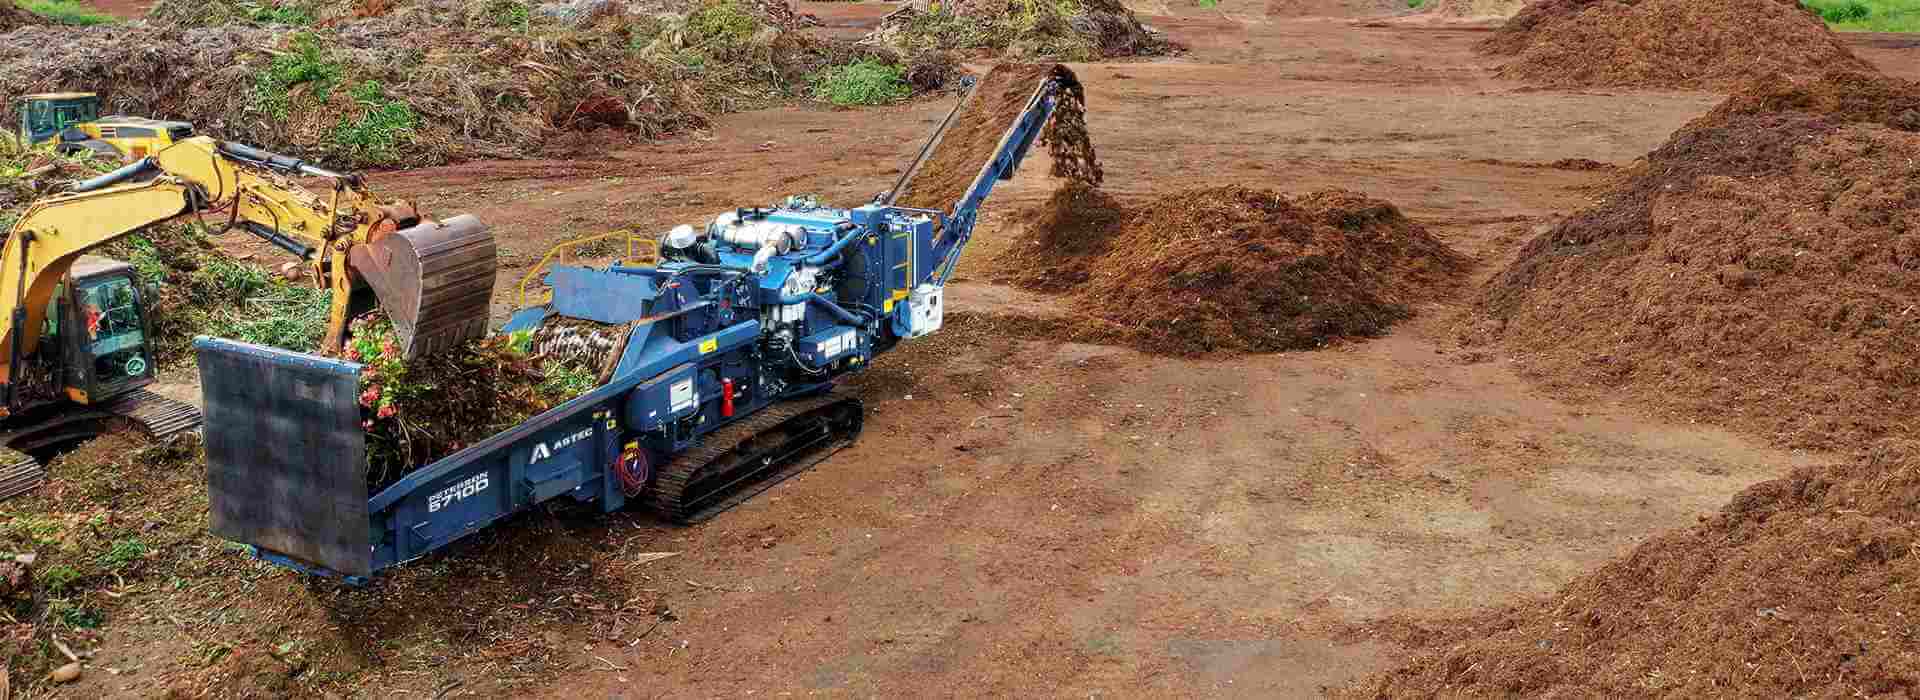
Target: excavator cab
(99, 324)
(44, 116)
(72, 121)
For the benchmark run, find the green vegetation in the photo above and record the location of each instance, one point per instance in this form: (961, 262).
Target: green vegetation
(73, 615)
(562, 379)
(868, 82)
(34, 531)
(58, 578)
(123, 553)
(305, 63)
(1869, 15)
(145, 259)
(719, 29)
(71, 12)
(375, 134)
(1208, 4)
(278, 13)
(269, 310)
(509, 14)
(1415, 4)
(720, 24)
(520, 342)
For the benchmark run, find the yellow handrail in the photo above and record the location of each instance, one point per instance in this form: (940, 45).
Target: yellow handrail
(636, 242)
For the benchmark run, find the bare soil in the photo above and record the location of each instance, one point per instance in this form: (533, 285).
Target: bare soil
(123, 9)
(1034, 515)
(1472, 9)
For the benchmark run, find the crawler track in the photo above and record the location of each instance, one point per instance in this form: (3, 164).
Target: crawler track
(157, 416)
(738, 462)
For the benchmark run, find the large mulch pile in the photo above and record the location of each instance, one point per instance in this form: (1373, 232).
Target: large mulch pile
(1800, 587)
(997, 101)
(1707, 44)
(1758, 269)
(1230, 269)
(1238, 269)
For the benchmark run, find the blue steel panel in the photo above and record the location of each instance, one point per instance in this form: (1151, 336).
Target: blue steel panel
(652, 404)
(527, 319)
(599, 295)
(556, 453)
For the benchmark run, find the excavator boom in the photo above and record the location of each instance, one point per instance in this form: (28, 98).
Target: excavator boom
(434, 278)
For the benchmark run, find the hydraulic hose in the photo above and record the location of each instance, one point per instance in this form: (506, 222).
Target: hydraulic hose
(124, 173)
(822, 257)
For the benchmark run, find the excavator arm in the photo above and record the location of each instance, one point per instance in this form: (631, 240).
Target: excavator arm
(435, 279)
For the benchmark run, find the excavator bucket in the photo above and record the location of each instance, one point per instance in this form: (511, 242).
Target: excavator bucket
(435, 281)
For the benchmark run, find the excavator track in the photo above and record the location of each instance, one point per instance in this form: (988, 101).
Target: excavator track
(21, 474)
(742, 460)
(157, 416)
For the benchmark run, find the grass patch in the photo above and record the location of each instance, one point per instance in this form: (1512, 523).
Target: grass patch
(867, 82)
(382, 127)
(1415, 4)
(271, 311)
(123, 553)
(305, 63)
(510, 14)
(59, 578)
(1868, 15)
(69, 12)
(287, 14)
(74, 615)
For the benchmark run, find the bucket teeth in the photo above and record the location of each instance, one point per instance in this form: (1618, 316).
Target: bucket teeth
(435, 281)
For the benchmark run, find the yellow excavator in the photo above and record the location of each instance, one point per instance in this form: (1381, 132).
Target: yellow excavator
(72, 123)
(74, 328)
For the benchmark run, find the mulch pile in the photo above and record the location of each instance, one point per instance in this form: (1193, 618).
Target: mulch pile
(1757, 270)
(1799, 587)
(12, 17)
(1707, 44)
(1230, 269)
(1223, 269)
(1080, 31)
(996, 104)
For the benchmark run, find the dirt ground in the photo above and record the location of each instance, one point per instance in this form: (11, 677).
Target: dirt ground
(124, 9)
(1085, 520)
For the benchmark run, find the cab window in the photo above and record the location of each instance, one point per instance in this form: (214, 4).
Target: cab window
(40, 117)
(70, 114)
(52, 328)
(115, 337)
